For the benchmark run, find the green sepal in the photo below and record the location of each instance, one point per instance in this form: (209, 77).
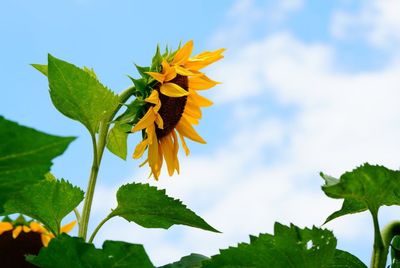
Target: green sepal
(156, 61)
(142, 71)
(152, 208)
(47, 202)
(41, 68)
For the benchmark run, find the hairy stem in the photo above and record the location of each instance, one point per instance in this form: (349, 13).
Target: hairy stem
(98, 228)
(380, 251)
(98, 149)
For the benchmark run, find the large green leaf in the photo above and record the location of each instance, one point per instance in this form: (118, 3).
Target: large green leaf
(366, 187)
(288, 247)
(77, 93)
(192, 261)
(67, 252)
(25, 156)
(48, 201)
(152, 208)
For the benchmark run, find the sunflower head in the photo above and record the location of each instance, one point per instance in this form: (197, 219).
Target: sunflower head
(21, 237)
(167, 104)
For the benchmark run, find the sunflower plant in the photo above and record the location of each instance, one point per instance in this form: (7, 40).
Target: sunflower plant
(163, 106)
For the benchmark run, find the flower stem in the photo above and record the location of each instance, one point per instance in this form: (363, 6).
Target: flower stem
(98, 228)
(98, 149)
(379, 254)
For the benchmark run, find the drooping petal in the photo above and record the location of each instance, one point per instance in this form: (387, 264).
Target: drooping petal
(68, 227)
(5, 226)
(183, 54)
(37, 227)
(184, 145)
(185, 128)
(201, 82)
(176, 150)
(147, 120)
(192, 120)
(157, 76)
(140, 148)
(167, 148)
(173, 90)
(26, 229)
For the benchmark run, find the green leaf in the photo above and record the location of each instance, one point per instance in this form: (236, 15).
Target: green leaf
(47, 201)
(66, 252)
(152, 208)
(192, 261)
(142, 71)
(117, 141)
(126, 255)
(366, 187)
(134, 112)
(288, 247)
(25, 157)
(78, 95)
(41, 68)
(343, 259)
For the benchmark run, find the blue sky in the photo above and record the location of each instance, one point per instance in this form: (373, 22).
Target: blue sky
(308, 86)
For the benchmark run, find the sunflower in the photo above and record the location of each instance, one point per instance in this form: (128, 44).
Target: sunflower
(174, 106)
(19, 238)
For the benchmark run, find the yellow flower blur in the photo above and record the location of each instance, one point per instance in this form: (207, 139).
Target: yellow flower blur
(36, 227)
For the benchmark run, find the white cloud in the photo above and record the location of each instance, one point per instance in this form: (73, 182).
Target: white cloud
(268, 169)
(377, 21)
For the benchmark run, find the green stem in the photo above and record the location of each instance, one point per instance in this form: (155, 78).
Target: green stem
(98, 149)
(98, 227)
(379, 254)
(89, 192)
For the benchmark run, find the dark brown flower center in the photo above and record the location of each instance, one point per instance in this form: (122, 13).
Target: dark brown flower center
(13, 251)
(171, 108)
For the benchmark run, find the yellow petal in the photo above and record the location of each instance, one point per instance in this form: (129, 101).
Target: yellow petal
(5, 226)
(140, 148)
(192, 109)
(185, 128)
(176, 150)
(200, 100)
(192, 120)
(167, 148)
(16, 231)
(68, 227)
(147, 120)
(157, 76)
(26, 229)
(183, 54)
(168, 71)
(45, 239)
(201, 82)
(183, 71)
(173, 90)
(204, 59)
(37, 227)
(151, 134)
(153, 98)
(184, 145)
